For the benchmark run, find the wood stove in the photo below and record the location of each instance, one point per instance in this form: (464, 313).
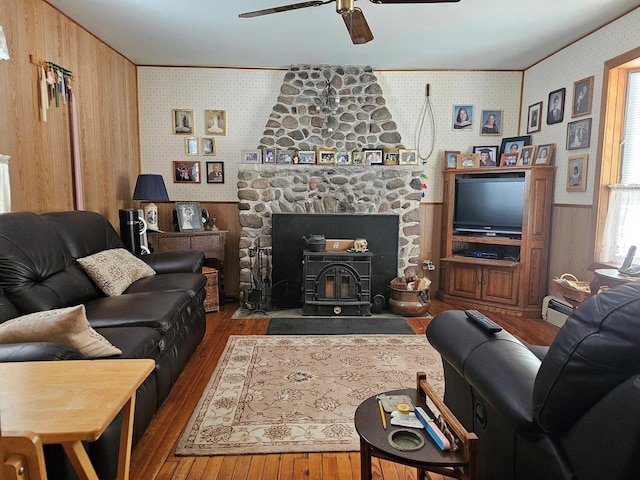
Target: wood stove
(337, 283)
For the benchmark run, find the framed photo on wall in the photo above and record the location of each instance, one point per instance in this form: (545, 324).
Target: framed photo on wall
(215, 122)
(451, 159)
(582, 97)
(191, 146)
(577, 173)
(215, 172)
(544, 154)
(208, 146)
(186, 172)
(182, 121)
(189, 216)
(462, 117)
(579, 134)
(488, 155)
(555, 106)
(491, 122)
(533, 119)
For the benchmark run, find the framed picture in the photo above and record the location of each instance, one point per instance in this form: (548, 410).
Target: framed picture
(215, 122)
(544, 154)
(191, 146)
(579, 134)
(555, 107)
(491, 122)
(468, 160)
(343, 158)
(582, 97)
(533, 119)
(391, 156)
(208, 146)
(526, 155)
(514, 144)
(577, 173)
(373, 156)
(251, 156)
(451, 159)
(488, 155)
(215, 172)
(462, 117)
(186, 172)
(357, 157)
(269, 155)
(182, 122)
(509, 160)
(285, 156)
(326, 156)
(408, 156)
(189, 216)
(306, 156)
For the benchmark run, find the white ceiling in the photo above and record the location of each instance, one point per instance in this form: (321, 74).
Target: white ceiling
(471, 34)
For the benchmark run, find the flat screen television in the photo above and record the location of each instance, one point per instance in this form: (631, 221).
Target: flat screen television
(491, 205)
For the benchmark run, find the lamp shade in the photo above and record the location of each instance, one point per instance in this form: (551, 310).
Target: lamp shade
(150, 187)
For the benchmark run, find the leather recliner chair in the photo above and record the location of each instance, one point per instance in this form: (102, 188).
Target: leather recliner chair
(572, 414)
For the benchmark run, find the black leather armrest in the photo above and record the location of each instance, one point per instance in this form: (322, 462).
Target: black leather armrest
(189, 261)
(37, 351)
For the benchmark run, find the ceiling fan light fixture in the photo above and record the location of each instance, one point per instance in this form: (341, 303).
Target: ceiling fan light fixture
(344, 6)
(357, 26)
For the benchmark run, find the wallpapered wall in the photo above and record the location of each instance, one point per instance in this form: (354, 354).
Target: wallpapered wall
(248, 97)
(576, 62)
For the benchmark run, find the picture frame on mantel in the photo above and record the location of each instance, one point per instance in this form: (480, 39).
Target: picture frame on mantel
(189, 216)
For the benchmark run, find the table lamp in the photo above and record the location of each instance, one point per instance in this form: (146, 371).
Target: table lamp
(149, 188)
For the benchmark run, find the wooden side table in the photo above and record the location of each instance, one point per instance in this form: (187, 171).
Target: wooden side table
(609, 277)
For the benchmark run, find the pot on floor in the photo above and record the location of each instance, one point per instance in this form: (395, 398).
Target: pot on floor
(409, 303)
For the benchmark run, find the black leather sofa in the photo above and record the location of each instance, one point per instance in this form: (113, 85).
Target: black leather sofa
(571, 411)
(160, 317)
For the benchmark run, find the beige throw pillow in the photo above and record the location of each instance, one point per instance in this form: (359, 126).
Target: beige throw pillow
(65, 325)
(115, 269)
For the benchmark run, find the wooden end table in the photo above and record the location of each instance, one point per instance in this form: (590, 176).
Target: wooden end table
(374, 442)
(72, 401)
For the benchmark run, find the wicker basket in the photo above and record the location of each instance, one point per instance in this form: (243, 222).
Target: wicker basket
(573, 290)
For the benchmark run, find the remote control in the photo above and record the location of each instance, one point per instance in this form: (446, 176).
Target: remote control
(484, 321)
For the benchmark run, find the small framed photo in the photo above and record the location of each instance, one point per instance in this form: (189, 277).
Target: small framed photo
(357, 157)
(582, 97)
(451, 159)
(462, 117)
(182, 121)
(526, 155)
(577, 173)
(468, 160)
(326, 156)
(269, 155)
(374, 156)
(544, 154)
(215, 172)
(491, 122)
(251, 156)
(391, 156)
(533, 119)
(343, 158)
(186, 172)
(306, 156)
(579, 134)
(488, 155)
(285, 156)
(215, 122)
(191, 145)
(408, 156)
(514, 144)
(208, 146)
(555, 107)
(189, 216)
(509, 160)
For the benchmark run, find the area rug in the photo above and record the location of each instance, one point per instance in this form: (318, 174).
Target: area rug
(338, 326)
(289, 394)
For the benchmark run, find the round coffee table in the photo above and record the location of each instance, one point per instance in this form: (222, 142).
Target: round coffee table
(374, 441)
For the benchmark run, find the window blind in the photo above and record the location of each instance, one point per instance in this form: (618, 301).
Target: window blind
(630, 171)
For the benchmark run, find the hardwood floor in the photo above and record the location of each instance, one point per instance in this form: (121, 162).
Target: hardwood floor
(153, 458)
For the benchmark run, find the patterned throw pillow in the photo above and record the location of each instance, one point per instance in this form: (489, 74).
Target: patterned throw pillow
(114, 270)
(64, 325)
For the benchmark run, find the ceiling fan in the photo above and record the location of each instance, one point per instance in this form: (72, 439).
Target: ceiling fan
(353, 17)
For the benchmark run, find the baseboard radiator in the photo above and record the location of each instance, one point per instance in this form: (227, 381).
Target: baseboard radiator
(555, 310)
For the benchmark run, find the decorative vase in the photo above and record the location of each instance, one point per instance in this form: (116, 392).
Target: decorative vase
(409, 303)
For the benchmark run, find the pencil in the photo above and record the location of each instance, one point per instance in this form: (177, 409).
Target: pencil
(384, 419)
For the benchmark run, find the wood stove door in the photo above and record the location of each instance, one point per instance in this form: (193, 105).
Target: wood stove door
(337, 283)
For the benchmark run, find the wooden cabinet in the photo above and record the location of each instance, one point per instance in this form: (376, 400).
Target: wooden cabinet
(515, 283)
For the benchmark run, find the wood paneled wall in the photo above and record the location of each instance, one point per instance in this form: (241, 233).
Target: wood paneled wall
(105, 85)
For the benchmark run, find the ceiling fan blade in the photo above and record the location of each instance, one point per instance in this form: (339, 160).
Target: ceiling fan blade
(391, 2)
(357, 26)
(284, 8)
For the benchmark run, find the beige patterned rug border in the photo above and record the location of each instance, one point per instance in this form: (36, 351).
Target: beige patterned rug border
(298, 394)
